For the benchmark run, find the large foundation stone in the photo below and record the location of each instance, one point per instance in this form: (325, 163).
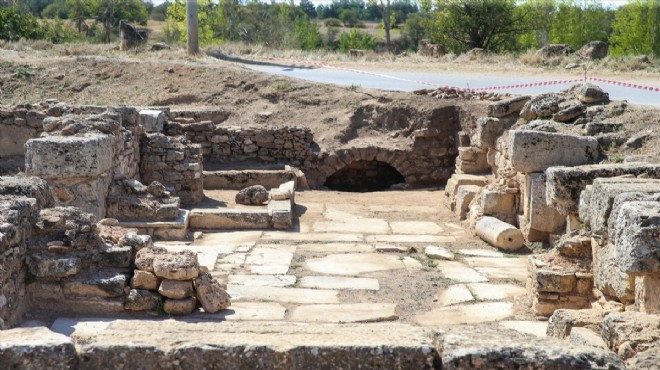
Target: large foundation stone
(534, 151)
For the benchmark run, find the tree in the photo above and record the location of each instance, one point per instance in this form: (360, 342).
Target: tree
(461, 25)
(355, 39)
(385, 8)
(541, 15)
(78, 11)
(636, 29)
(581, 21)
(308, 8)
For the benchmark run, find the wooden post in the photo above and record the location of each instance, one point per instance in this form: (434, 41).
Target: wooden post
(192, 27)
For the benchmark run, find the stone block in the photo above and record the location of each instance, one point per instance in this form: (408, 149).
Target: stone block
(457, 180)
(144, 280)
(234, 218)
(608, 277)
(563, 321)
(541, 217)
(637, 235)
(56, 157)
(464, 197)
(499, 234)
(211, 295)
(36, 348)
(628, 333)
(597, 200)
(565, 184)
(622, 199)
(144, 258)
(507, 107)
(142, 300)
(181, 265)
(488, 130)
(647, 294)
(472, 160)
(176, 289)
(53, 267)
(152, 120)
(495, 202)
(103, 284)
(13, 139)
(534, 151)
(549, 281)
(180, 306)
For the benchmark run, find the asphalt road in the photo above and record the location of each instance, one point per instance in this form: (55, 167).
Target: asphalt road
(343, 77)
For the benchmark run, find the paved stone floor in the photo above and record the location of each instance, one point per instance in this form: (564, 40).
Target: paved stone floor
(390, 256)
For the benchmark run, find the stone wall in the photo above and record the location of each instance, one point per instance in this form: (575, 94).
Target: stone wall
(220, 143)
(20, 200)
(174, 162)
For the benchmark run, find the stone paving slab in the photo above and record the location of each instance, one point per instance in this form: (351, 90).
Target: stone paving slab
(415, 227)
(356, 225)
(354, 264)
(409, 238)
(268, 256)
(251, 345)
(518, 274)
(336, 247)
(438, 253)
(480, 252)
(495, 292)
(228, 238)
(466, 314)
(344, 313)
(454, 294)
(263, 280)
(500, 268)
(338, 282)
(241, 293)
(459, 272)
(312, 237)
(243, 311)
(268, 269)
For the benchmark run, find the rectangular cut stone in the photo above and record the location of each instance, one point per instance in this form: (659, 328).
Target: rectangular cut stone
(240, 179)
(457, 180)
(541, 216)
(36, 348)
(464, 197)
(222, 218)
(495, 202)
(597, 200)
(565, 184)
(507, 107)
(534, 151)
(637, 231)
(459, 272)
(608, 277)
(69, 156)
(278, 294)
(344, 313)
(647, 294)
(152, 120)
(339, 282)
(13, 139)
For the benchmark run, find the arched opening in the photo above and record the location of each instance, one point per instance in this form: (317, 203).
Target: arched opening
(364, 176)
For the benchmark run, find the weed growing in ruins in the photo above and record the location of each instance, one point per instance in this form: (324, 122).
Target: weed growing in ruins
(353, 87)
(282, 86)
(330, 120)
(160, 307)
(25, 72)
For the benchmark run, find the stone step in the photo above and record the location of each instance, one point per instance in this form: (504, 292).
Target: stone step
(230, 219)
(192, 344)
(239, 179)
(162, 230)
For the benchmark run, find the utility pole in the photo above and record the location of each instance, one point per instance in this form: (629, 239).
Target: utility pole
(192, 23)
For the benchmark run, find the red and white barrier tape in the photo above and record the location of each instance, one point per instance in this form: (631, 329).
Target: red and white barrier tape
(479, 89)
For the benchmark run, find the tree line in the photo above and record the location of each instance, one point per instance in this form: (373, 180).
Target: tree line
(504, 26)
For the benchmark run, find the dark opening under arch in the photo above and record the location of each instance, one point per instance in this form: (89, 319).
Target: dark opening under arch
(364, 176)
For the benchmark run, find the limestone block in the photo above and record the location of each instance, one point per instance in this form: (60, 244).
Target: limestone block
(534, 151)
(542, 217)
(586, 337)
(507, 107)
(495, 202)
(87, 193)
(590, 93)
(284, 191)
(488, 130)
(142, 300)
(144, 258)
(252, 195)
(499, 233)
(210, 293)
(619, 201)
(136, 242)
(69, 156)
(102, 284)
(569, 111)
(181, 265)
(608, 277)
(281, 214)
(597, 200)
(464, 197)
(13, 139)
(565, 184)
(180, 306)
(563, 321)
(550, 281)
(541, 106)
(647, 294)
(457, 180)
(36, 348)
(637, 233)
(628, 333)
(53, 267)
(152, 120)
(144, 280)
(472, 160)
(492, 347)
(176, 289)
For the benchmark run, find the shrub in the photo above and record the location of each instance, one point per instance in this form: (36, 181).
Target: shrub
(332, 22)
(356, 39)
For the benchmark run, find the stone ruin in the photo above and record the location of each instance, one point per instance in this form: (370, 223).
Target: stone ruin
(530, 172)
(99, 184)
